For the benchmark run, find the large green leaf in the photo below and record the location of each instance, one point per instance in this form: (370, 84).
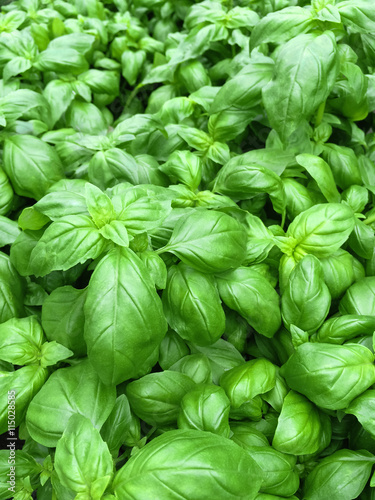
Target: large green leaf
(305, 73)
(124, 321)
(189, 464)
(69, 391)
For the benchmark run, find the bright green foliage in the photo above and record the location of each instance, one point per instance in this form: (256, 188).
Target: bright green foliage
(192, 305)
(246, 381)
(299, 427)
(83, 462)
(315, 370)
(124, 322)
(205, 408)
(156, 397)
(306, 300)
(187, 264)
(225, 469)
(50, 410)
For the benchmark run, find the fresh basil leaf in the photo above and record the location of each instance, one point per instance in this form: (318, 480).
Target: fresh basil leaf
(31, 164)
(59, 95)
(253, 297)
(297, 416)
(25, 382)
(344, 165)
(192, 305)
(280, 476)
(117, 288)
(82, 459)
(205, 408)
(57, 204)
(141, 213)
(362, 408)
(236, 473)
(356, 197)
(314, 369)
(322, 174)
(208, 241)
(101, 82)
(82, 42)
(196, 366)
(21, 341)
(242, 383)
(86, 118)
(172, 349)
(131, 64)
(121, 427)
(59, 394)
(359, 298)
(297, 196)
(9, 231)
(282, 26)
(61, 60)
(339, 270)
(12, 290)
(358, 15)
(321, 230)
(116, 232)
(244, 181)
(63, 318)
(185, 167)
(306, 300)
(99, 206)
(246, 436)
(305, 72)
(343, 328)
(52, 352)
(156, 397)
(244, 91)
(66, 242)
(341, 475)
(23, 462)
(222, 356)
(194, 44)
(362, 240)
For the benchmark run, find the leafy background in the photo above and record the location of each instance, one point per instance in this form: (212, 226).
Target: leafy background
(187, 248)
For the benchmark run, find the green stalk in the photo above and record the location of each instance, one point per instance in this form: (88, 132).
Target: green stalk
(283, 217)
(370, 220)
(132, 94)
(125, 455)
(320, 114)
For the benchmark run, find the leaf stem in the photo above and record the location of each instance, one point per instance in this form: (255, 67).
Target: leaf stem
(132, 94)
(150, 432)
(124, 455)
(283, 217)
(370, 220)
(320, 114)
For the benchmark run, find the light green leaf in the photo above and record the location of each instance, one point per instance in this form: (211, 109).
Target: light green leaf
(50, 410)
(66, 242)
(305, 72)
(116, 232)
(82, 458)
(124, 322)
(322, 174)
(52, 352)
